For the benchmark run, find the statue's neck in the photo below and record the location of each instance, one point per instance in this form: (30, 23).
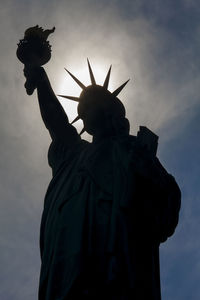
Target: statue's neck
(119, 127)
(106, 135)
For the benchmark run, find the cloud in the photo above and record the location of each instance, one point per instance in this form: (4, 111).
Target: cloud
(163, 94)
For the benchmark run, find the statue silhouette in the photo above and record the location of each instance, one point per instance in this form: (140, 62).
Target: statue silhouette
(110, 203)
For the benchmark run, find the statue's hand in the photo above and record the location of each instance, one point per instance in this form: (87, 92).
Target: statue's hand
(31, 75)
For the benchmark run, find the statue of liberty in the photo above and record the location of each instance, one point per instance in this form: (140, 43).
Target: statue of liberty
(110, 202)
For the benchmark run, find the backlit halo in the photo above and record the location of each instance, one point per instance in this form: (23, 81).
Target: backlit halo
(93, 83)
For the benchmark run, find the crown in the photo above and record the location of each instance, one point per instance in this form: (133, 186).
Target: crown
(93, 84)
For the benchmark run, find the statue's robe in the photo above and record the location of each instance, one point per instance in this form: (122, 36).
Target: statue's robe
(107, 209)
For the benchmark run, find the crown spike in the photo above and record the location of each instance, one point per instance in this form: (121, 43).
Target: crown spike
(70, 97)
(106, 82)
(83, 130)
(118, 90)
(91, 73)
(76, 119)
(76, 79)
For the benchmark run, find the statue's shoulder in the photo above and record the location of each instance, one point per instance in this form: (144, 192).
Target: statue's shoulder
(128, 144)
(61, 151)
(145, 144)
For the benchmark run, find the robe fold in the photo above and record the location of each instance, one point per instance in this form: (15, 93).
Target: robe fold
(108, 207)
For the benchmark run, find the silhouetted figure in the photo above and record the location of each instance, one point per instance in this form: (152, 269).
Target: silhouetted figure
(109, 205)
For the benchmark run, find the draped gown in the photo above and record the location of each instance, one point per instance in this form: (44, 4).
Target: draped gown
(108, 207)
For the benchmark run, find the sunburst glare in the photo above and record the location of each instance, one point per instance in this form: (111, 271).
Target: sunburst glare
(69, 87)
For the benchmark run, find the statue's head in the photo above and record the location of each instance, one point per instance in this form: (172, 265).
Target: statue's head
(99, 109)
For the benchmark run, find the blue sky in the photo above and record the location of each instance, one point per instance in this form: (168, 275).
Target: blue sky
(156, 45)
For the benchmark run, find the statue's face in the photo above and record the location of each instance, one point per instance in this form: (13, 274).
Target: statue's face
(96, 107)
(92, 109)
(94, 119)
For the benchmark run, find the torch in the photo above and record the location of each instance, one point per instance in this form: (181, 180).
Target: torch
(34, 51)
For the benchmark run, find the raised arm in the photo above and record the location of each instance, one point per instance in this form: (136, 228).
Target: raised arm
(52, 112)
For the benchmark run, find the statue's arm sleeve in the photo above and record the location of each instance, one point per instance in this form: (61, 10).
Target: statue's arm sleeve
(167, 197)
(52, 112)
(158, 194)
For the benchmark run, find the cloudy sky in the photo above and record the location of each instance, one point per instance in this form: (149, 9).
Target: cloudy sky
(155, 43)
